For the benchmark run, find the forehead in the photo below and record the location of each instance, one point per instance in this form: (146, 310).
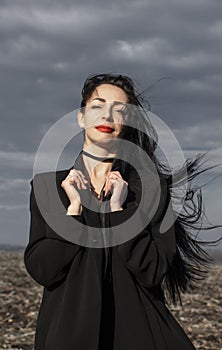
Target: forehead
(108, 93)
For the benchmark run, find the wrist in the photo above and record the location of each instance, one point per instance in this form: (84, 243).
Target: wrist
(116, 208)
(74, 209)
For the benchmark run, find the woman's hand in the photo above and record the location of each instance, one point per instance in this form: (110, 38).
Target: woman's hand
(74, 177)
(118, 188)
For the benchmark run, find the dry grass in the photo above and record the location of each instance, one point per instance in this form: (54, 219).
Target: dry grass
(21, 296)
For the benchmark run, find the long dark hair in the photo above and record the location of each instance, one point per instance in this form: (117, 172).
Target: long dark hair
(191, 260)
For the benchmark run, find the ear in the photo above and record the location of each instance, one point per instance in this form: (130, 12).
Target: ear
(80, 118)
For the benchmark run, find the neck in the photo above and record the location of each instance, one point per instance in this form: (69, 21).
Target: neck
(93, 156)
(97, 165)
(97, 152)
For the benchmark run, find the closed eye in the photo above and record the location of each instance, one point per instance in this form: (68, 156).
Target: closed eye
(120, 111)
(94, 107)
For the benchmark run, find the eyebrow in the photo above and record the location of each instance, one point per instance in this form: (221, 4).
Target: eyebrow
(103, 100)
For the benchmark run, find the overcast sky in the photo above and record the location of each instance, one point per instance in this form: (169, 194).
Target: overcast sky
(48, 48)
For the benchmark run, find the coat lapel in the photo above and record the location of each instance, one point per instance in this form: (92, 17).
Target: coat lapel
(60, 176)
(79, 164)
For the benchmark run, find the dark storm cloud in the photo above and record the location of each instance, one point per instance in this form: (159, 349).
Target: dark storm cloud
(49, 47)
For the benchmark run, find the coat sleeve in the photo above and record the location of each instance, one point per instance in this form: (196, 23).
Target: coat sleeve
(150, 253)
(46, 259)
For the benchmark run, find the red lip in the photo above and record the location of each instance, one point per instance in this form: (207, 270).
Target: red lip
(104, 128)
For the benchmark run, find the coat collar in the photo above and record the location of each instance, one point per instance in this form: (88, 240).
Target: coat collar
(61, 175)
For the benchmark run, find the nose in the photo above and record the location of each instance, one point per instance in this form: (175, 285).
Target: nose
(108, 115)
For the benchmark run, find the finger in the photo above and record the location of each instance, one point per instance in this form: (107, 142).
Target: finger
(67, 181)
(77, 181)
(110, 175)
(83, 180)
(114, 182)
(107, 186)
(113, 176)
(80, 176)
(110, 183)
(123, 181)
(116, 173)
(74, 178)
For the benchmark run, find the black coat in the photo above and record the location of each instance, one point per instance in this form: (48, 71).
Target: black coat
(99, 298)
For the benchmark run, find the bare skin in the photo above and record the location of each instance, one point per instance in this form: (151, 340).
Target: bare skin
(99, 172)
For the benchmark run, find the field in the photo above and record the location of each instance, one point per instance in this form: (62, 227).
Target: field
(20, 296)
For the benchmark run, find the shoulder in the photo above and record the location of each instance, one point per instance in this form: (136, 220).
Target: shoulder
(47, 191)
(46, 183)
(48, 177)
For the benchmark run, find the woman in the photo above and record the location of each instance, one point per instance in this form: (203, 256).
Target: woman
(99, 294)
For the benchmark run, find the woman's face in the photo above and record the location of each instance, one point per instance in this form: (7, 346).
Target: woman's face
(105, 107)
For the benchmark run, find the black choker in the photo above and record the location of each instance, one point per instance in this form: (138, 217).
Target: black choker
(97, 158)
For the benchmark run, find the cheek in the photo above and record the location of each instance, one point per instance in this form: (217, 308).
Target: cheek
(119, 123)
(90, 130)
(90, 122)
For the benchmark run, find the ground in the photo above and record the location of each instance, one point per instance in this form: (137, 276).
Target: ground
(20, 298)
